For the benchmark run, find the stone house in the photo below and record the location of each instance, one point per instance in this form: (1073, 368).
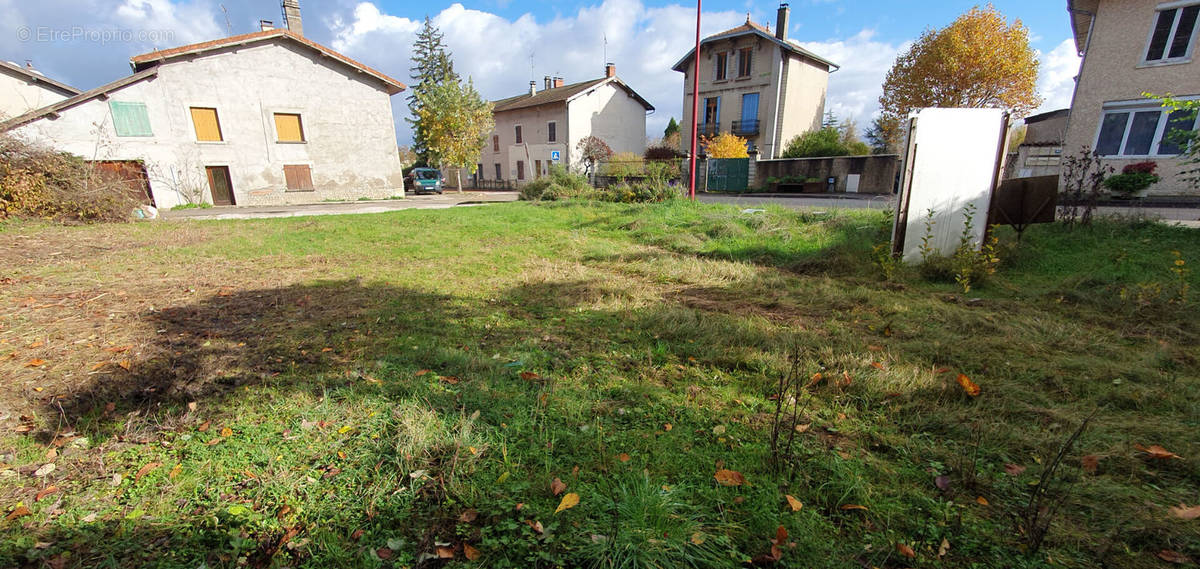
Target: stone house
(257, 119)
(23, 89)
(1131, 47)
(760, 86)
(538, 129)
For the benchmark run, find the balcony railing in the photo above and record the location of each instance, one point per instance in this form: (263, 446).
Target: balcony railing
(745, 128)
(708, 129)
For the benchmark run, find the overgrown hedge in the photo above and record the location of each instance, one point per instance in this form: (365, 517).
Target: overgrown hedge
(37, 182)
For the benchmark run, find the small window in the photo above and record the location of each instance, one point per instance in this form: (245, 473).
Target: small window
(721, 71)
(298, 178)
(520, 170)
(207, 125)
(537, 169)
(712, 110)
(288, 128)
(1173, 34)
(130, 119)
(518, 131)
(498, 175)
(552, 132)
(745, 56)
(495, 143)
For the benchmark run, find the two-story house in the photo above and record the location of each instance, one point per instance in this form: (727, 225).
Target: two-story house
(761, 86)
(539, 129)
(1131, 47)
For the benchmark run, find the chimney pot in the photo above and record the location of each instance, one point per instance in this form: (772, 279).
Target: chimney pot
(781, 21)
(546, 84)
(532, 88)
(610, 69)
(558, 82)
(265, 25)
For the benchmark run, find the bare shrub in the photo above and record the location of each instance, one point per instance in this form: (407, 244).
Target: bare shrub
(38, 182)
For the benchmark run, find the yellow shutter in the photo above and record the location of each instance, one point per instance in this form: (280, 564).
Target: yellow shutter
(208, 128)
(288, 128)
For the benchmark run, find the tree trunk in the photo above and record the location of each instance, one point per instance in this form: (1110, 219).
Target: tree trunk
(458, 174)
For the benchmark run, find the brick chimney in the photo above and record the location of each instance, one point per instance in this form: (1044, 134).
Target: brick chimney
(291, 17)
(558, 82)
(781, 21)
(610, 70)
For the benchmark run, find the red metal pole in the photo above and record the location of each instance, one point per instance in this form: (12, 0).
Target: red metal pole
(695, 107)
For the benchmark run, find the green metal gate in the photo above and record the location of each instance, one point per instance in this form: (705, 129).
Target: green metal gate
(728, 174)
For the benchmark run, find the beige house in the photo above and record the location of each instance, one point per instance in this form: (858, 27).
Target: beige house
(23, 88)
(538, 129)
(760, 86)
(1131, 47)
(257, 119)
(1041, 152)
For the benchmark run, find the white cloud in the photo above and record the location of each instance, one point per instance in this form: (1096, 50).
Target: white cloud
(855, 88)
(1056, 81)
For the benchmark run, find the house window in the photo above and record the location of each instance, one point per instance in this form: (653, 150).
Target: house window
(1173, 34)
(298, 178)
(720, 72)
(1142, 131)
(495, 143)
(712, 110)
(498, 175)
(130, 119)
(518, 131)
(207, 125)
(288, 128)
(552, 132)
(745, 56)
(537, 169)
(520, 170)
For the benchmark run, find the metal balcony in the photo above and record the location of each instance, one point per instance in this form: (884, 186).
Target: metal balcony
(707, 129)
(745, 128)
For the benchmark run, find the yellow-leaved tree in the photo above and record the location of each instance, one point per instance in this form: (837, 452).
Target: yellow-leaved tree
(456, 121)
(978, 61)
(725, 145)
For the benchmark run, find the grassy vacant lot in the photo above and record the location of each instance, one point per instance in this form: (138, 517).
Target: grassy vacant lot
(384, 390)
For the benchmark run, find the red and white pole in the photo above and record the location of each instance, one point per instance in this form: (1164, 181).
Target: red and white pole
(695, 108)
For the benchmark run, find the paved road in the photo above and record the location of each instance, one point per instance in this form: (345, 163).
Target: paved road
(429, 201)
(884, 202)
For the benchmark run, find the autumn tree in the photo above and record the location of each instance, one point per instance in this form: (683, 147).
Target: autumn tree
(1187, 141)
(593, 150)
(725, 145)
(432, 66)
(978, 61)
(456, 121)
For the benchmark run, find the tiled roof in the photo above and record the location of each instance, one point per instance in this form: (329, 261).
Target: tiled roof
(561, 95)
(35, 77)
(146, 60)
(76, 100)
(761, 31)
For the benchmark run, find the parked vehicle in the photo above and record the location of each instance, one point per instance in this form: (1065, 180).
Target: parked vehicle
(421, 180)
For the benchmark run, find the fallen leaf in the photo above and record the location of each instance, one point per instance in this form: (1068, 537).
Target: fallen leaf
(344, 429)
(875, 348)
(1173, 557)
(191, 406)
(215, 441)
(470, 552)
(877, 365)
(941, 370)
(568, 501)
(847, 381)
(969, 386)
(326, 350)
(175, 471)
(468, 515)
(1185, 513)
(18, 512)
(982, 501)
(537, 526)
(1157, 452)
(815, 379)
(285, 510)
(729, 478)
(1090, 463)
(37, 344)
(697, 539)
(667, 427)
(624, 457)
(46, 492)
(794, 503)
(529, 375)
(942, 482)
(780, 535)
(557, 486)
(203, 428)
(226, 432)
(384, 553)
(45, 469)
(51, 454)
(719, 430)
(125, 365)
(445, 553)
(803, 428)
(905, 550)
(1014, 469)
(358, 533)
(98, 366)
(452, 380)
(35, 362)
(944, 548)
(118, 349)
(422, 372)
(852, 507)
(145, 470)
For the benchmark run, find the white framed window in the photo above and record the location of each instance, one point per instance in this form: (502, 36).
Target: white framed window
(1174, 32)
(1141, 130)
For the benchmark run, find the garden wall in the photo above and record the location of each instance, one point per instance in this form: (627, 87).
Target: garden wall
(877, 174)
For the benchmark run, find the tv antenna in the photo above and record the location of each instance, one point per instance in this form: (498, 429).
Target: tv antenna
(228, 24)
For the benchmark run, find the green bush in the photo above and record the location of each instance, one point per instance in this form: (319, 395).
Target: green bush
(647, 191)
(823, 143)
(559, 184)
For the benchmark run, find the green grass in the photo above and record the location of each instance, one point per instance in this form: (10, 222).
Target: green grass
(385, 376)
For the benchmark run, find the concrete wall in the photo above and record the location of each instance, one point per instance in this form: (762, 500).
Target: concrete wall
(347, 120)
(803, 93)
(1113, 71)
(610, 114)
(877, 174)
(535, 143)
(18, 95)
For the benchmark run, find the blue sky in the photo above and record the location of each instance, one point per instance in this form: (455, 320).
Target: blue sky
(503, 43)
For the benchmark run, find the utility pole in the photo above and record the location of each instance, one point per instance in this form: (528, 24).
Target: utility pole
(695, 108)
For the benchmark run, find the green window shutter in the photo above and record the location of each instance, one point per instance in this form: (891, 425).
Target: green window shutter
(130, 119)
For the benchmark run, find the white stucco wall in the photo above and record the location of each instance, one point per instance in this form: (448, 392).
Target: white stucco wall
(18, 95)
(609, 113)
(347, 120)
(804, 99)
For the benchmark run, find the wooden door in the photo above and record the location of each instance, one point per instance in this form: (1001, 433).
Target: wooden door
(220, 185)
